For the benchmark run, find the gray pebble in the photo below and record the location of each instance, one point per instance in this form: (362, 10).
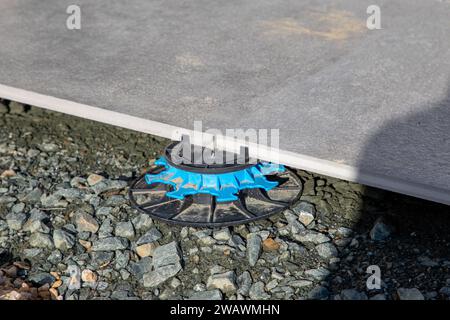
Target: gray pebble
(380, 231)
(353, 294)
(257, 291)
(409, 294)
(225, 282)
(318, 293)
(63, 240)
(311, 236)
(40, 240)
(124, 229)
(327, 250)
(110, 244)
(16, 221)
(306, 212)
(253, 248)
(151, 235)
(206, 295)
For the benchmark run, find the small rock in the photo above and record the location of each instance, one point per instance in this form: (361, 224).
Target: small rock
(296, 248)
(175, 283)
(115, 201)
(124, 274)
(270, 245)
(142, 222)
(352, 294)
(78, 182)
(184, 233)
(167, 254)
(31, 253)
(16, 107)
(40, 240)
(430, 295)
(257, 291)
(146, 250)
(253, 248)
(70, 194)
(445, 291)
(93, 179)
(48, 147)
(7, 199)
(344, 232)
(207, 241)
(89, 276)
(103, 211)
(85, 222)
(35, 226)
(55, 257)
(9, 173)
(143, 266)
(409, 294)
(74, 281)
(245, 283)
(379, 296)
(125, 230)
(18, 208)
(11, 271)
(54, 294)
(63, 240)
(271, 285)
(102, 286)
(206, 295)
(293, 222)
(108, 185)
(216, 269)
(318, 293)
(318, 274)
(42, 278)
(110, 244)
(300, 283)
(122, 259)
(306, 212)
(51, 201)
(225, 282)
(380, 231)
(327, 250)
(222, 234)
(161, 274)
(311, 236)
(36, 214)
(427, 262)
(151, 235)
(86, 244)
(3, 108)
(166, 263)
(200, 287)
(106, 229)
(3, 226)
(16, 221)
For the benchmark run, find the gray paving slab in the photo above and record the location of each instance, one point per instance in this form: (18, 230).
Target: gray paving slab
(366, 105)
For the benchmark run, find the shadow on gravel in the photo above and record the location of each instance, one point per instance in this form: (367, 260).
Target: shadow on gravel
(409, 238)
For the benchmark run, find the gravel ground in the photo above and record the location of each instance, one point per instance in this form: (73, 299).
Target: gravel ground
(66, 229)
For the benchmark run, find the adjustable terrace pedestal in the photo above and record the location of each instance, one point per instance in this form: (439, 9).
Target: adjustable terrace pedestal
(205, 195)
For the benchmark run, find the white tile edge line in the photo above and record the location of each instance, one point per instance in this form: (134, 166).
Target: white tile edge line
(288, 158)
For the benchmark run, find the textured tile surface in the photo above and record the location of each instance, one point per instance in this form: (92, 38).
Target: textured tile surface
(377, 101)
